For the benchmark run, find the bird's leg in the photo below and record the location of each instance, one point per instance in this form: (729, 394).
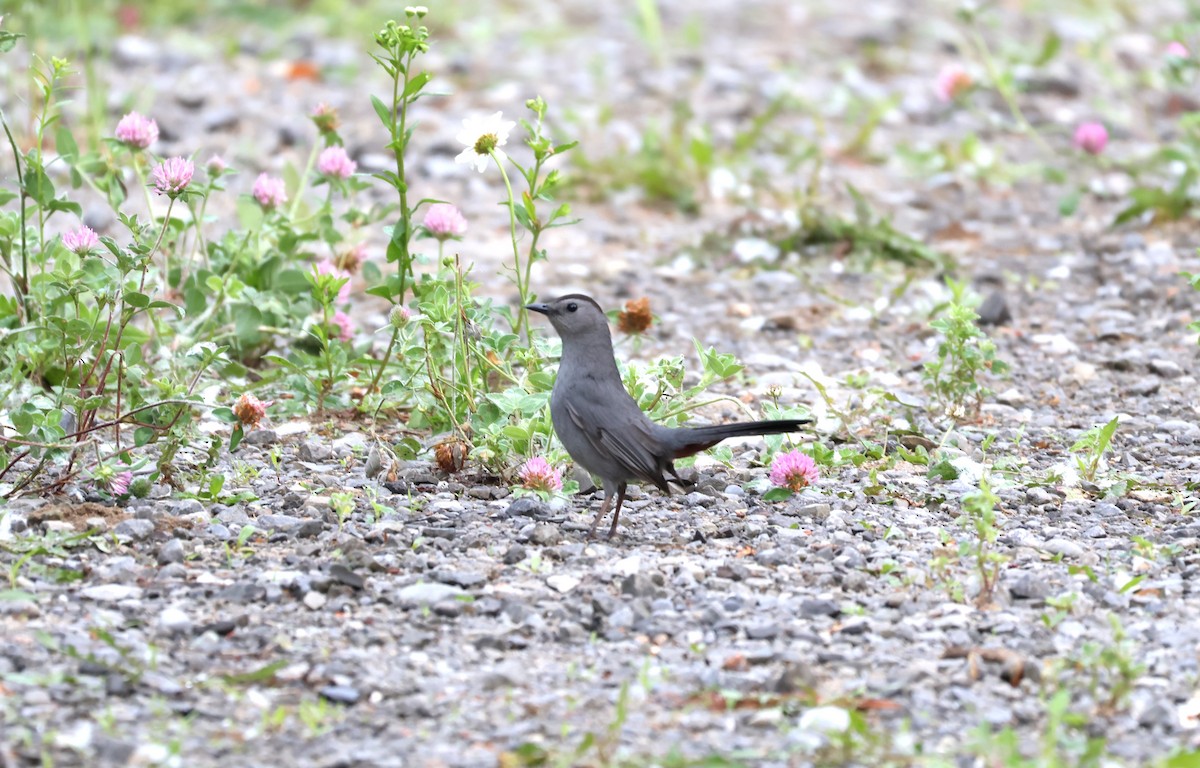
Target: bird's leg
(608, 494)
(617, 512)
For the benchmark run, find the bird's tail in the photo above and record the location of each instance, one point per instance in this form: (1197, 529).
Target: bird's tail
(689, 440)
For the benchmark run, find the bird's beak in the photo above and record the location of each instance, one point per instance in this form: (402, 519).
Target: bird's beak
(540, 308)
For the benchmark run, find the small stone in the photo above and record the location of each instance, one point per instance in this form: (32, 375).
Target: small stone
(545, 535)
(340, 694)
(172, 551)
(218, 532)
(514, 554)
(994, 310)
(343, 575)
(1167, 369)
(243, 592)
(279, 523)
(448, 608)
(764, 631)
(1096, 532)
(309, 528)
(351, 441)
(186, 507)
(1184, 430)
(261, 437)
(1027, 586)
(1039, 496)
(1142, 388)
(315, 600)
(1082, 373)
(819, 607)
(172, 572)
(1064, 547)
(825, 720)
(220, 119)
(640, 585)
(426, 593)
(135, 530)
(310, 450)
(106, 593)
(464, 579)
(527, 506)
(627, 566)
(1012, 397)
(175, 621)
(562, 582)
(111, 751)
(815, 511)
(233, 516)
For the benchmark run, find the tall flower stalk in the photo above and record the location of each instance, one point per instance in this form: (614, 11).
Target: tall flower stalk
(484, 140)
(401, 44)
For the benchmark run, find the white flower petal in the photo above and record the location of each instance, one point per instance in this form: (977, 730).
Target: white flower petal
(473, 159)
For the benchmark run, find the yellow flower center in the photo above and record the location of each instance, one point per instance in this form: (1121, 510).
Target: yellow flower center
(485, 144)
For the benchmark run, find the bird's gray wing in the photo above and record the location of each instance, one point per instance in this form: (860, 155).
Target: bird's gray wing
(631, 444)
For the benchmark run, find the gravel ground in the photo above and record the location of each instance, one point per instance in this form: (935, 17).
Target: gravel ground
(445, 623)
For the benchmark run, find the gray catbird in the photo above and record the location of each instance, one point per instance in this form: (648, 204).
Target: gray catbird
(602, 427)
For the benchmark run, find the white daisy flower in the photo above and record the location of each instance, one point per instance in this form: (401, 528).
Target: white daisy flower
(482, 135)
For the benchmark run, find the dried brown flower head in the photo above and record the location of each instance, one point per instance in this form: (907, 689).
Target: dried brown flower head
(450, 455)
(636, 317)
(250, 410)
(351, 259)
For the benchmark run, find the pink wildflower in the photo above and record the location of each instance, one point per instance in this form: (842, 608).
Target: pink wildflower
(951, 82)
(81, 241)
(1177, 50)
(399, 316)
(250, 410)
(537, 475)
(269, 191)
(136, 131)
(325, 118)
(118, 484)
(335, 163)
(344, 325)
(793, 470)
(444, 221)
(215, 165)
(327, 267)
(172, 176)
(1091, 137)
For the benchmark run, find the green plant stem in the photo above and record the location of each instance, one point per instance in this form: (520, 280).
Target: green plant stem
(85, 418)
(399, 147)
(694, 406)
(522, 313)
(299, 196)
(535, 229)
(399, 143)
(985, 54)
(460, 331)
(141, 177)
(21, 284)
(383, 362)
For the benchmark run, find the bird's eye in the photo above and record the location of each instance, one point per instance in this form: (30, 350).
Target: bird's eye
(572, 307)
